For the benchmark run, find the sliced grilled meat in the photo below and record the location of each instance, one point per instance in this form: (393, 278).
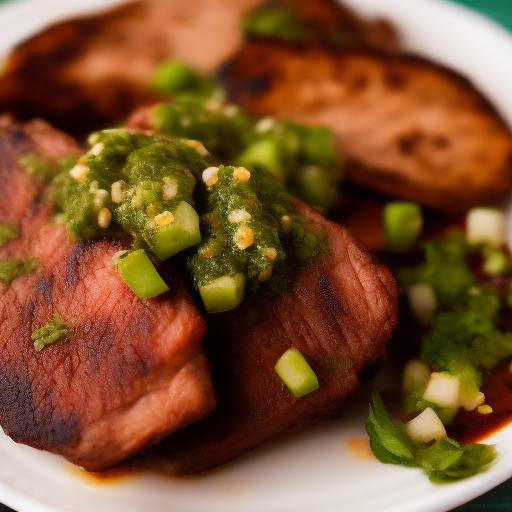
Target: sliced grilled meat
(338, 311)
(92, 72)
(408, 128)
(130, 371)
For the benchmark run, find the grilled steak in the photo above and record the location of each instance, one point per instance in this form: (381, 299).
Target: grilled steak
(98, 69)
(408, 128)
(130, 371)
(339, 312)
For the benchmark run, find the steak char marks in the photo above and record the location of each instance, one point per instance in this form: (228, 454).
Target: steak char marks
(339, 311)
(130, 372)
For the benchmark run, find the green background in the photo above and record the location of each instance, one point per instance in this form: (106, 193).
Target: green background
(499, 10)
(499, 499)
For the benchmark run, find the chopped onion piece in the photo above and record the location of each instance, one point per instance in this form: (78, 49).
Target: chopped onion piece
(485, 225)
(443, 389)
(425, 427)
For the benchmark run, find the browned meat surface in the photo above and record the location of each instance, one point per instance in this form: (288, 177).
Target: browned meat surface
(94, 71)
(130, 372)
(408, 128)
(339, 312)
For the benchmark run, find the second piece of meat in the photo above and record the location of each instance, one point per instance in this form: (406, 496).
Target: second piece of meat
(339, 312)
(129, 372)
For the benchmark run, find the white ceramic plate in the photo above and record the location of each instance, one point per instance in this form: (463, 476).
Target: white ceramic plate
(314, 470)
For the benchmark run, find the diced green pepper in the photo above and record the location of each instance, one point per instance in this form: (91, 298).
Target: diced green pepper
(263, 151)
(318, 145)
(495, 261)
(223, 294)
(296, 373)
(402, 221)
(140, 275)
(181, 233)
(315, 188)
(172, 77)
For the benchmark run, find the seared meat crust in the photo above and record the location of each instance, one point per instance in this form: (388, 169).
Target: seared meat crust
(339, 312)
(408, 128)
(130, 372)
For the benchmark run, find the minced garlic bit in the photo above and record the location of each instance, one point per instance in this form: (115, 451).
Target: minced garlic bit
(170, 188)
(100, 196)
(230, 110)
(104, 218)
(94, 187)
(197, 146)
(271, 254)
(244, 237)
(92, 140)
(484, 409)
(265, 124)
(164, 219)
(117, 191)
(136, 202)
(241, 173)
(60, 219)
(213, 105)
(79, 172)
(151, 209)
(97, 149)
(210, 176)
(264, 275)
(239, 216)
(206, 252)
(285, 221)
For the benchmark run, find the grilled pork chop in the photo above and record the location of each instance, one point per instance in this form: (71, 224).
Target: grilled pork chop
(339, 312)
(130, 371)
(408, 128)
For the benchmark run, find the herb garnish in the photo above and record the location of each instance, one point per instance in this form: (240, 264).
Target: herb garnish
(51, 332)
(7, 232)
(444, 461)
(11, 268)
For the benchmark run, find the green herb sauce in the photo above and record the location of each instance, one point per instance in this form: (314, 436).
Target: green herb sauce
(51, 332)
(124, 183)
(304, 158)
(280, 19)
(7, 232)
(44, 169)
(251, 229)
(465, 337)
(153, 190)
(11, 268)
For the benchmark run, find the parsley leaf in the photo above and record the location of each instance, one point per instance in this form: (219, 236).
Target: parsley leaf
(444, 461)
